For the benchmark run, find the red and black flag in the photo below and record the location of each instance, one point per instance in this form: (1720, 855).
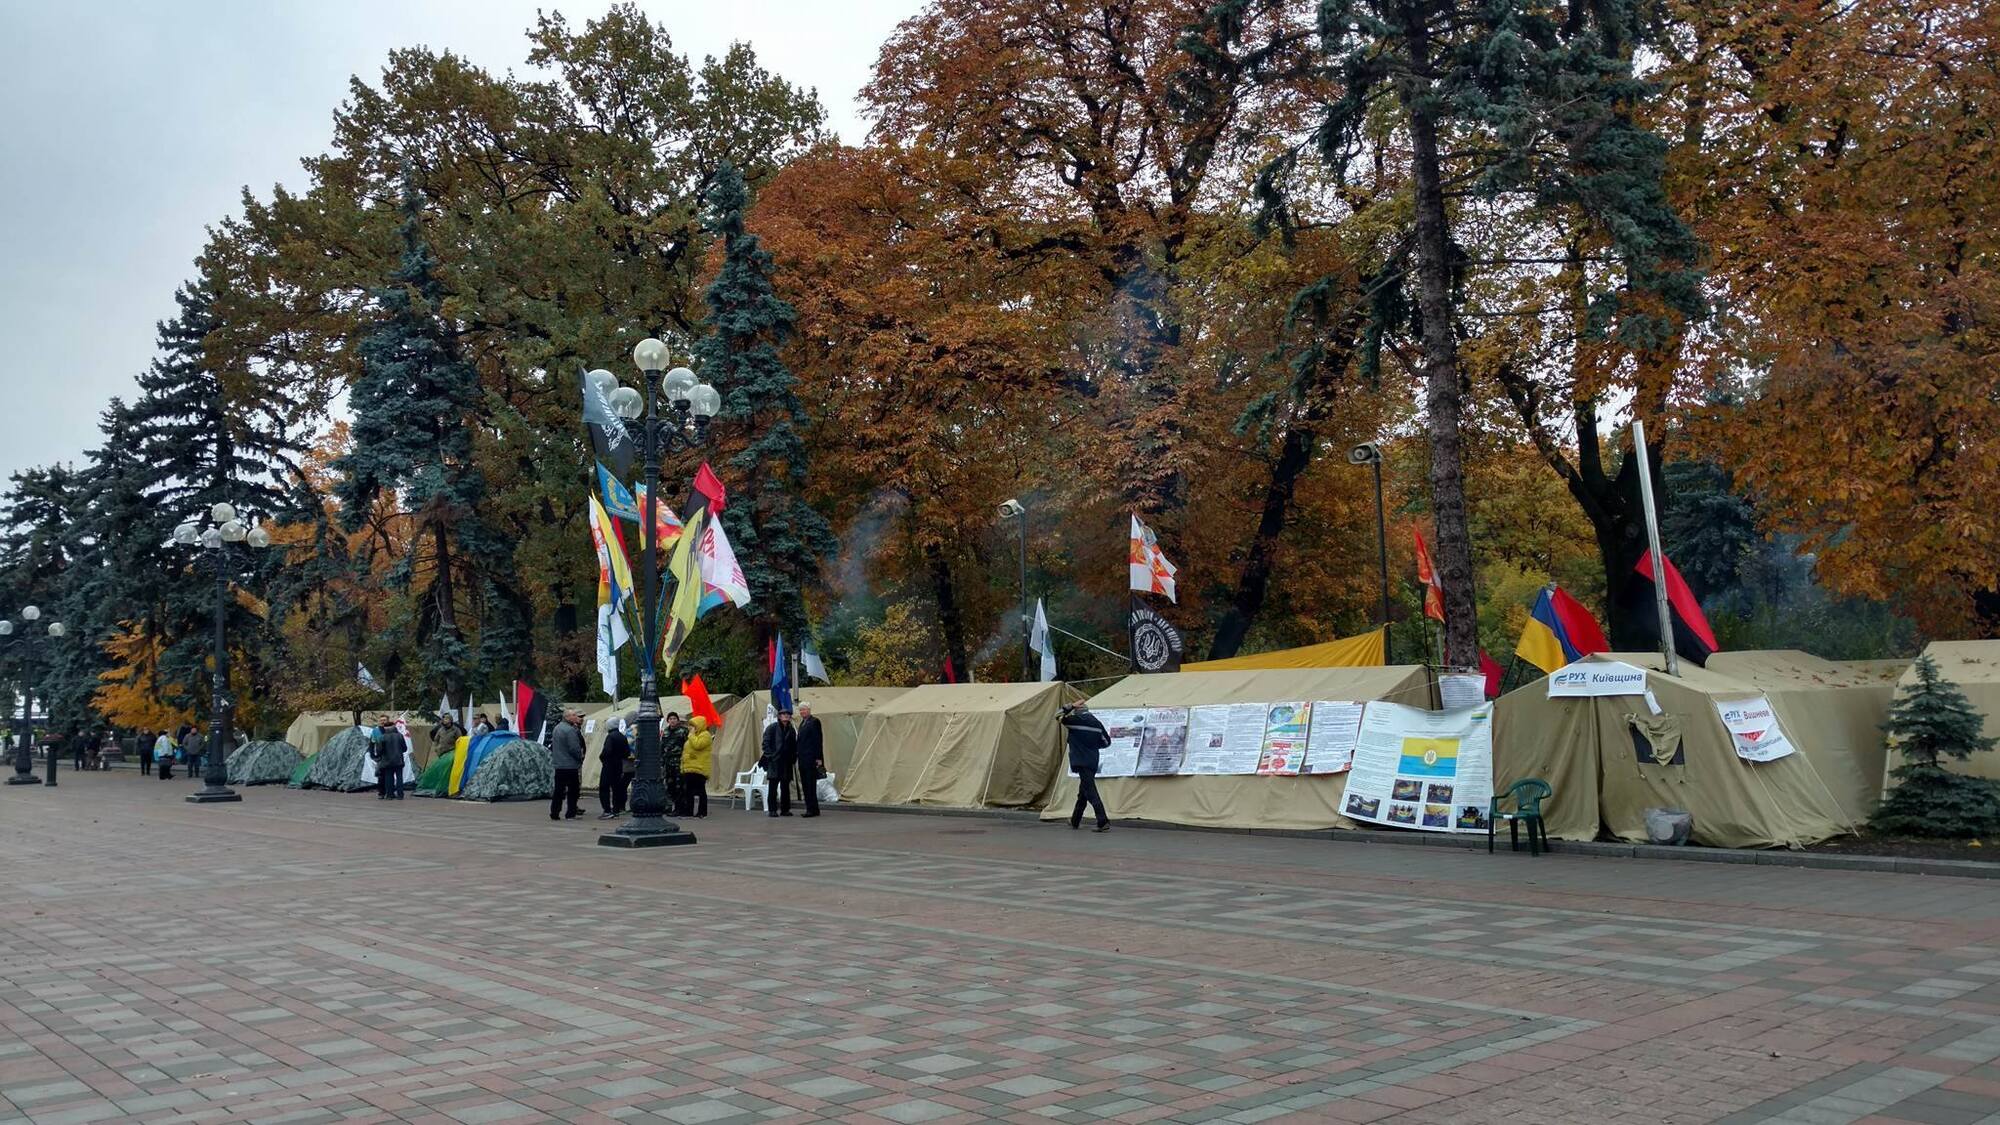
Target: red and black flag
(1693, 639)
(531, 710)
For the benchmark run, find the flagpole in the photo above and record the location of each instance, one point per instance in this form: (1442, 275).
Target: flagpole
(1653, 546)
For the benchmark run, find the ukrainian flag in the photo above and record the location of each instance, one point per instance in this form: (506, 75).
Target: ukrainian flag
(1559, 631)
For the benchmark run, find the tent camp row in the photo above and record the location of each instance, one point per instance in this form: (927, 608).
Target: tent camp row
(1609, 758)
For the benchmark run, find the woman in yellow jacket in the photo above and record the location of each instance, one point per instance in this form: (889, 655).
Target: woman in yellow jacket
(697, 760)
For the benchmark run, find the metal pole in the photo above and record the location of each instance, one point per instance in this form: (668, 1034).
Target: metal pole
(1382, 553)
(1653, 545)
(24, 752)
(1028, 672)
(50, 748)
(214, 773)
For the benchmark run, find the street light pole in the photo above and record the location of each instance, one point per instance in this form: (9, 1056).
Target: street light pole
(225, 531)
(1015, 510)
(1370, 454)
(24, 752)
(689, 406)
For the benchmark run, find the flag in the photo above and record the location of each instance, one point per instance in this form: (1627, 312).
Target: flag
(815, 667)
(531, 710)
(699, 702)
(1490, 668)
(1428, 575)
(709, 486)
(618, 499)
(781, 676)
(950, 676)
(666, 525)
(611, 636)
(1038, 640)
(614, 592)
(1559, 631)
(1151, 573)
(1693, 639)
(366, 677)
(721, 578)
(609, 437)
(444, 710)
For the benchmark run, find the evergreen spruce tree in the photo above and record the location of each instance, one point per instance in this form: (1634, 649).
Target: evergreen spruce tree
(778, 537)
(1931, 724)
(118, 549)
(37, 565)
(415, 405)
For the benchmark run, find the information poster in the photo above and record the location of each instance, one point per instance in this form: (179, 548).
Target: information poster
(1164, 743)
(1428, 770)
(1336, 724)
(1460, 690)
(1224, 738)
(1753, 727)
(1284, 749)
(1126, 727)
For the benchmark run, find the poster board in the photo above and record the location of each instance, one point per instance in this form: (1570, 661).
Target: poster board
(1336, 725)
(1164, 743)
(1753, 729)
(1125, 727)
(1460, 690)
(1224, 738)
(1284, 748)
(1427, 770)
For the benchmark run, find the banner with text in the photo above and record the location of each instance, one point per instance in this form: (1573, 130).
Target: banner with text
(1428, 770)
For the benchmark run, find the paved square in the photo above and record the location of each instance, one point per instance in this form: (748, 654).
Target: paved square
(307, 957)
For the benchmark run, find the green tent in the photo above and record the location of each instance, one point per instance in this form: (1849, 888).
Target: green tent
(263, 763)
(299, 774)
(436, 778)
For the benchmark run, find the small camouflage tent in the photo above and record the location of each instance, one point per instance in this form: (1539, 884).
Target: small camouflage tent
(262, 763)
(513, 770)
(344, 766)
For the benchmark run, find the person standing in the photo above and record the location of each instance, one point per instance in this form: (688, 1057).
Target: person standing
(673, 744)
(697, 762)
(147, 753)
(612, 781)
(164, 750)
(1087, 736)
(481, 725)
(78, 742)
(444, 736)
(780, 761)
(566, 747)
(812, 758)
(388, 751)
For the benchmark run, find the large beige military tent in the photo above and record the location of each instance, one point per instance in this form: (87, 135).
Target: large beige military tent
(1975, 667)
(311, 730)
(596, 720)
(960, 746)
(1246, 801)
(1831, 710)
(841, 711)
(1609, 759)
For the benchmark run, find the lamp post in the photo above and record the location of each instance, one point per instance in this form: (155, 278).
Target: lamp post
(224, 531)
(679, 421)
(1015, 510)
(1370, 454)
(24, 752)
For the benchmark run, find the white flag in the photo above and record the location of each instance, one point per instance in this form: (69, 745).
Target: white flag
(1151, 573)
(815, 667)
(1038, 639)
(444, 707)
(366, 677)
(717, 562)
(611, 637)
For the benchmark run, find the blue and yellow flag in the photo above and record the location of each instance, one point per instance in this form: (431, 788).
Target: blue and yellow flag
(1559, 631)
(616, 498)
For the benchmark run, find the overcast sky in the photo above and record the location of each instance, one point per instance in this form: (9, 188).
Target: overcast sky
(131, 126)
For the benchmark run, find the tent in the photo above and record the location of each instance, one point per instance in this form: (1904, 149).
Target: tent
(1589, 749)
(841, 712)
(960, 746)
(262, 763)
(511, 768)
(1359, 651)
(312, 730)
(340, 763)
(1835, 717)
(1975, 667)
(596, 724)
(1238, 801)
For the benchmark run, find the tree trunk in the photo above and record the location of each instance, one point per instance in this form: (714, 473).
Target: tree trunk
(949, 620)
(1441, 378)
(1294, 456)
(447, 611)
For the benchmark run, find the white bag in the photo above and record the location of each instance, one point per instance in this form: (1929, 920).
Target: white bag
(829, 794)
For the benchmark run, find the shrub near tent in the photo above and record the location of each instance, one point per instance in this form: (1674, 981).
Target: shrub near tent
(1932, 724)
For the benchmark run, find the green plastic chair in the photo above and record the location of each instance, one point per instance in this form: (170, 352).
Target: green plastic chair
(1527, 796)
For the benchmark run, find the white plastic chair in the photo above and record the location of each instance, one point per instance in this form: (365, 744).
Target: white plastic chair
(750, 787)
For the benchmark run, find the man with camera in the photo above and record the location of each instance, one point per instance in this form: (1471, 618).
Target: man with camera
(1087, 736)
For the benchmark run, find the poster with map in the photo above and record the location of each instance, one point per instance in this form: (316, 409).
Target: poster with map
(1427, 770)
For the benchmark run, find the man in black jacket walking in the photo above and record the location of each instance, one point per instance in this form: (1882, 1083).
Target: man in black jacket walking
(780, 761)
(812, 758)
(388, 751)
(1086, 737)
(612, 784)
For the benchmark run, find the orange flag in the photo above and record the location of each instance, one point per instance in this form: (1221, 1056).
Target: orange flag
(1427, 574)
(699, 703)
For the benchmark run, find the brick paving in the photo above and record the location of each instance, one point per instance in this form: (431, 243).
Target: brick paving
(312, 957)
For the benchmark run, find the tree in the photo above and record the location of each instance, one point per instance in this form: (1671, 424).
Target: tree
(778, 537)
(415, 406)
(1930, 724)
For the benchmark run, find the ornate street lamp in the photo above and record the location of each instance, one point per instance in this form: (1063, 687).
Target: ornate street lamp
(24, 752)
(676, 409)
(1370, 454)
(225, 531)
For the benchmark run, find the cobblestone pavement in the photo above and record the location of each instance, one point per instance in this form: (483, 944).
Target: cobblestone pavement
(307, 957)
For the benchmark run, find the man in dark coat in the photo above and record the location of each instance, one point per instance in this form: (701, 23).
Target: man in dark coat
(612, 783)
(387, 751)
(780, 761)
(673, 739)
(1087, 736)
(812, 758)
(566, 748)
